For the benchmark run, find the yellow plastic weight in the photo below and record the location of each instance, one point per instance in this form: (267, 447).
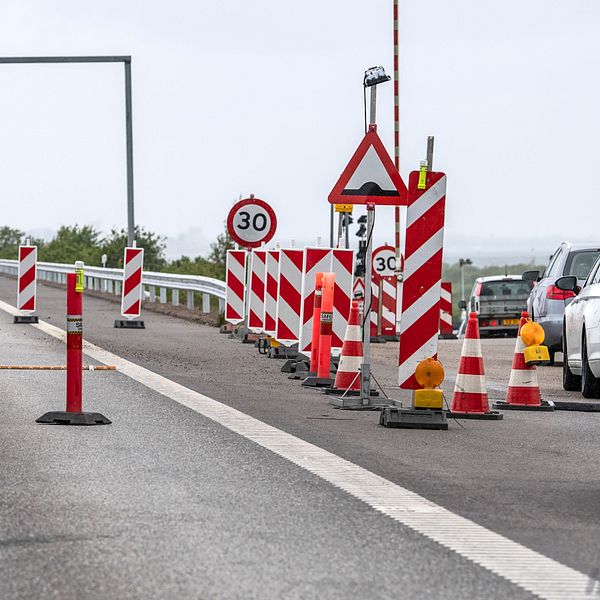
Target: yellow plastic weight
(429, 373)
(429, 398)
(532, 334)
(534, 355)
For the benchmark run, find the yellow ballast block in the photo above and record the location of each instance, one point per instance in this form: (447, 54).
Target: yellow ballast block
(429, 398)
(534, 355)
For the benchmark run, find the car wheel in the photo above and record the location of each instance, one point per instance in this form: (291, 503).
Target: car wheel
(552, 354)
(571, 383)
(590, 385)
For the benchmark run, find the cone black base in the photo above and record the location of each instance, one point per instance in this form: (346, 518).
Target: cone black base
(26, 319)
(127, 324)
(72, 418)
(312, 381)
(546, 405)
(488, 416)
(406, 418)
(578, 406)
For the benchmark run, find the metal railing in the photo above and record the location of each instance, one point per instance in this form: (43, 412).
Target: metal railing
(110, 281)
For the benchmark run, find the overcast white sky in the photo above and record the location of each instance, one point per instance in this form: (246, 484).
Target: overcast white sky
(265, 96)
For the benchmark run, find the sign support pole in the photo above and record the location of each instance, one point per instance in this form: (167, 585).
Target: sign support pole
(365, 369)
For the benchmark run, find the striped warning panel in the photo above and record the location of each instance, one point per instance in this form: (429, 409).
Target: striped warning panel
(342, 264)
(256, 298)
(271, 289)
(446, 308)
(315, 260)
(27, 278)
(235, 281)
(289, 302)
(131, 296)
(422, 275)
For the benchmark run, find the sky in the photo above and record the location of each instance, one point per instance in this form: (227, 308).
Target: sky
(265, 97)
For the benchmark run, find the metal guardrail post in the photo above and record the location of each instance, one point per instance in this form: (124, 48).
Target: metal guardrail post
(205, 303)
(190, 300)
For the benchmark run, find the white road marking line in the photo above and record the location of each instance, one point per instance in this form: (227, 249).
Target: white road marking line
(534, 572)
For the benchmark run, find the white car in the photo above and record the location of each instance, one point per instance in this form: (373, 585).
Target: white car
(581, 334)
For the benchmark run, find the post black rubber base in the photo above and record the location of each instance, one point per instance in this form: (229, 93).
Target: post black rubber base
(26, 319)
(72, 418)
(127, 324)
(406, 418)
(577, 406)
(352, 393)
(493, 415)
(546, 405)
(377, 339)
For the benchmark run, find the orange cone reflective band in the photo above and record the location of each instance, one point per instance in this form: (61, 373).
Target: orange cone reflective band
(326, 327)
(523, 388)
(351, 358)
(316, 324)
(470, 392)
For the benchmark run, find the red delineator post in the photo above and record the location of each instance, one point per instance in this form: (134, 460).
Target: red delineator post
(74, 414)
(316, 324)
(74, 345)
(326, 328)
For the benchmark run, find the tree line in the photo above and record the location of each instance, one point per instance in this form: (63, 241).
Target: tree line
(75, 242)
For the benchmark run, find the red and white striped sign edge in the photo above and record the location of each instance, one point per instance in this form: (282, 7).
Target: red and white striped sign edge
(27, 278)
(388, 314)
(131, 296)
(289, 302)
(342, 264)
(370, 177)
(446, 307)
(419, 324)
(271, 289)
(235, 283)
(315, 260)
(256, 300)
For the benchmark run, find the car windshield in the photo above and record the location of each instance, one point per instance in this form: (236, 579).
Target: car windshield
(508, 287)
(580, 263)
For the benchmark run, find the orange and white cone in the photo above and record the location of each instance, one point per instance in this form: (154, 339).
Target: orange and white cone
(470, 398)
(523, 389)
(347, 377)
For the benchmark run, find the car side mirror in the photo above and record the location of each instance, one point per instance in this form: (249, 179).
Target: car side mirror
(531, 276)
(462, 304)
(567, 284)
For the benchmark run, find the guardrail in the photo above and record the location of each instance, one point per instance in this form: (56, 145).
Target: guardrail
(110, 281)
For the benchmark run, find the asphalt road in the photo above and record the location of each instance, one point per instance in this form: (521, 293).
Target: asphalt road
(168, 504)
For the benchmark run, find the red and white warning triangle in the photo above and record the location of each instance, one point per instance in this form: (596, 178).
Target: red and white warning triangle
(370, 177)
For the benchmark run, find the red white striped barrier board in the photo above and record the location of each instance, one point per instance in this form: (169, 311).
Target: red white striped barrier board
(271, 289)
(388, 314)
(289, 303)
(342, 264)
(256, 300)
(420, 318)
(446, 308)
(27, 276)
(235, 281)
(315, 260)
(131, 298)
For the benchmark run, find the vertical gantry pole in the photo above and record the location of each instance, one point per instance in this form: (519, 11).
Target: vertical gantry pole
(129, 150)
(397, 163)
(365, 370)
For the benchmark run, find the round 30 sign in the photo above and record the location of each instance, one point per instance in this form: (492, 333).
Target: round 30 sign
(251, 222)
(384, 261)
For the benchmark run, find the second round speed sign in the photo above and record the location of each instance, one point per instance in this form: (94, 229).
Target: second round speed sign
(251, 222)
(384, 261)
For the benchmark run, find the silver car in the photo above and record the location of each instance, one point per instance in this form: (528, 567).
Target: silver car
(546, 303)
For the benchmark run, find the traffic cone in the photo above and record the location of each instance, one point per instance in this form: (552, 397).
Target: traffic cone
(347, 377)
(470, 398)
(523, 389)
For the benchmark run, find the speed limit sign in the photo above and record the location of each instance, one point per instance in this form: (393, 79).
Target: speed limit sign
(251, 222)
(384, 261)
